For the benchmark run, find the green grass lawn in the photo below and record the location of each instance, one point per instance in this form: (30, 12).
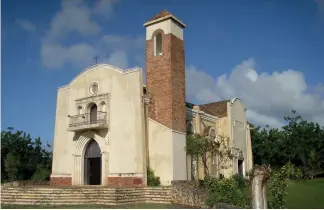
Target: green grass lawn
(305, 194)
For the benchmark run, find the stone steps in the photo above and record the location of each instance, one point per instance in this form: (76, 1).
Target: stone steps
(76, 203)
(77, 196)
(82, 196)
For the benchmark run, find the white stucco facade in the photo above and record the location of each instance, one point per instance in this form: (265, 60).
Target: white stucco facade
(167, 152)
(120, 140)
(240, 134)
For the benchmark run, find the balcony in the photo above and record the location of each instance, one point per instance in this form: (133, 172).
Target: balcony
(93, 120)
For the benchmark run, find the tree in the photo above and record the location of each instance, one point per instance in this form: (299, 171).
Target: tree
(299, 142)
(203, 148)
(11, 163)
(21, 157)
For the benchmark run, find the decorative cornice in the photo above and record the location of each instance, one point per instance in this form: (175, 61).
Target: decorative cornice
(207, 117)
(165, 18)
(191, 112)
(92, 98)
(203, 115)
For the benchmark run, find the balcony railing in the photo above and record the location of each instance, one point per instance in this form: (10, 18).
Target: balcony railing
(87, 120)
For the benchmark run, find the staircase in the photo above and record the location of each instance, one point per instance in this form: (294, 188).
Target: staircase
(84, 195)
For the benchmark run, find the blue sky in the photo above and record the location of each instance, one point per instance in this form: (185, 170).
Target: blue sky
(270, 53)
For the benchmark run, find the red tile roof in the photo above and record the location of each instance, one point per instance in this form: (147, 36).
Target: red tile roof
(218, 109)
(163, 13)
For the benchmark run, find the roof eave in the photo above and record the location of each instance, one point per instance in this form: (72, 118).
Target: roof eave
(165, 18)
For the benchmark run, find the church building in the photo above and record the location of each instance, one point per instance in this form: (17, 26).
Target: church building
(110, 127)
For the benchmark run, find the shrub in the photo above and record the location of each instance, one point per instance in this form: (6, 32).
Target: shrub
(278, 188)
(226, 190)
(41, 174)
(152, 180)
(291, 171)
(241, 182)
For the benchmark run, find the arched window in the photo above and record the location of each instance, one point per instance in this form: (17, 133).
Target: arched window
(103, 106)
(212, 134)
(93, 113)
(80, 110)
(190, 129)
(158, 44)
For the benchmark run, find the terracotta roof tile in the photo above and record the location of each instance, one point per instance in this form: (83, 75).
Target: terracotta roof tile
(218, 109)
(163, 13)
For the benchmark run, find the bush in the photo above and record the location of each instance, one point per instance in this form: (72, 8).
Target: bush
(278, 188)
(152, 180)
(41, 174)
(227, 190)
(241, 182)
(291, 171)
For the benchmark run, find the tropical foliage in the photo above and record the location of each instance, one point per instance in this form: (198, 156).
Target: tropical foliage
(23, 158)
(300, 143)
(203, 148)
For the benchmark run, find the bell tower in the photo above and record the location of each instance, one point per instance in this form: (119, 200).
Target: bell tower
(165, 70)
(165, 84)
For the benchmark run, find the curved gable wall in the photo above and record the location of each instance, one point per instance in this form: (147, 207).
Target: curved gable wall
(239, 129)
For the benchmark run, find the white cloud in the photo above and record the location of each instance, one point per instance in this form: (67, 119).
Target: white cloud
(74, 16)
(268, 97)
(104, 7)
(26, 25)
(119, 58)
(320, 5)
(56, 55)
(77, 17)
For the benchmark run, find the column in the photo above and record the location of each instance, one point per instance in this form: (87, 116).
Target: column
(77, 172)
(104, 168)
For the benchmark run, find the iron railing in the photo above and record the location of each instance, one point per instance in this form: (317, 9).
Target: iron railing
(88, 119)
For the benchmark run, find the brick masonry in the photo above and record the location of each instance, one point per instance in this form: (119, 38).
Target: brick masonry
(61, 181)
(125, 181)
(165, 78)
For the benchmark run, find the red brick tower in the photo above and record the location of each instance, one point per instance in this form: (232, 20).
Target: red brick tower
(165, 70)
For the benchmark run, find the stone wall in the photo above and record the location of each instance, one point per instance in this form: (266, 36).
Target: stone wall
(188, 194)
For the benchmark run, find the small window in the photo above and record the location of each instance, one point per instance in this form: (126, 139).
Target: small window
(80, 110)
(240, 167)
(103, 106)
(158, 44)
(212, 134)
(190, 129)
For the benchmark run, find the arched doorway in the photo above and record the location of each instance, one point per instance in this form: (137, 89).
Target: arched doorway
(92, 164)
